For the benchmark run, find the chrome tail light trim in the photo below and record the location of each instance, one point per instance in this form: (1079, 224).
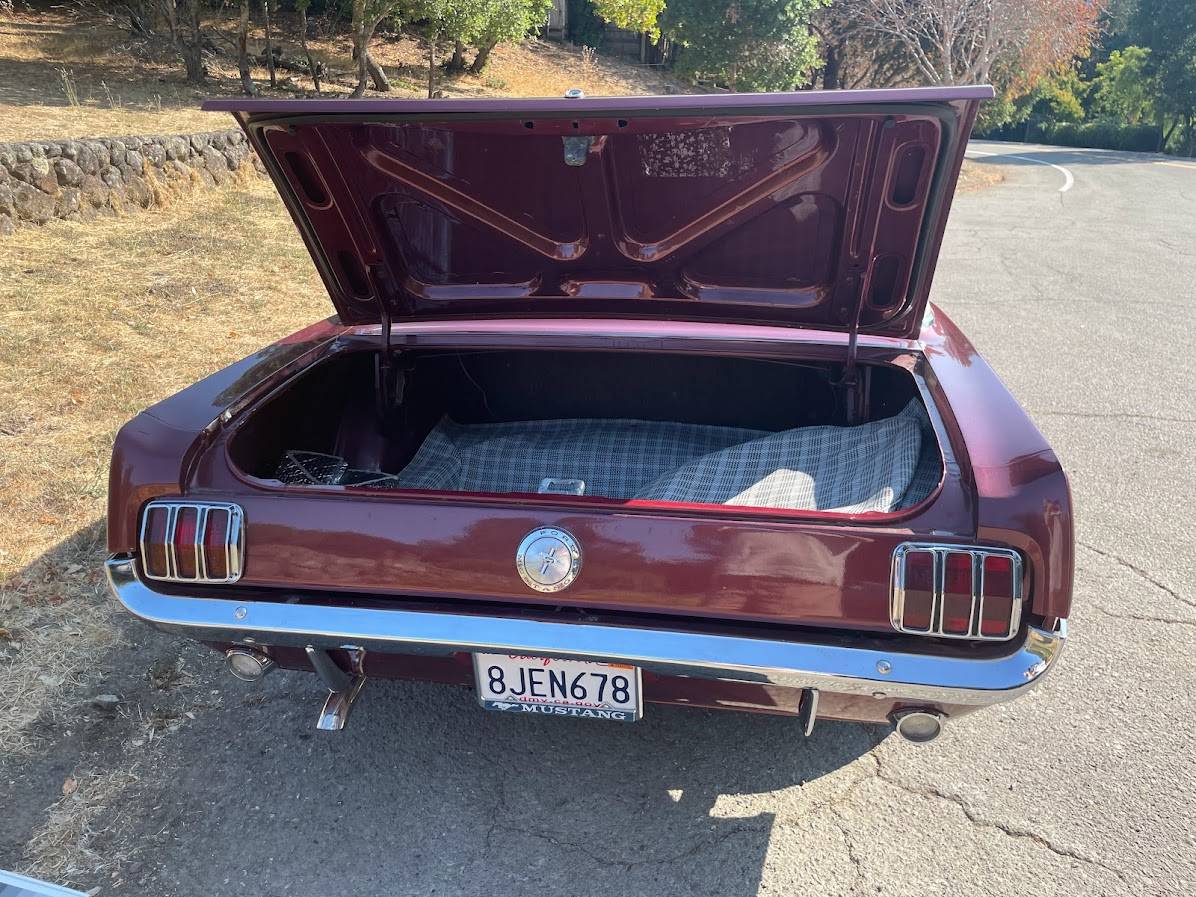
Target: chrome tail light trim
(233, 543)
(939, 552)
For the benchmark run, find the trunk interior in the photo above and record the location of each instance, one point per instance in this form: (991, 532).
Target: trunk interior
(619, 426)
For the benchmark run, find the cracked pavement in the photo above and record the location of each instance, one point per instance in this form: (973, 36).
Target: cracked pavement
(1085, 787)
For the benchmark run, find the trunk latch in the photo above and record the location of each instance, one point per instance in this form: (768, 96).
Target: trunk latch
(577, 149)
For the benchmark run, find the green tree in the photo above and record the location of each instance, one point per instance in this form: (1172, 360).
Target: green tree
(502, 20)
(747, 45)
(1057, 97)
(1123, 87)
(1168, 29)
(641, 16)
(441, 20)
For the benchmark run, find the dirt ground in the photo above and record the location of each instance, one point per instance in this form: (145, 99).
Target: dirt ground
(66, 76)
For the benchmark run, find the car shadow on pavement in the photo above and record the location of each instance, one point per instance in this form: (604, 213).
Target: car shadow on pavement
(424, 792)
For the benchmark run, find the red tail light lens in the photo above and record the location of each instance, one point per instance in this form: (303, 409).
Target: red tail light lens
(997, 597)
(154, 530)
(186, 558)
(215, 543)
(955, 591)
(919, 590)
(192, 541)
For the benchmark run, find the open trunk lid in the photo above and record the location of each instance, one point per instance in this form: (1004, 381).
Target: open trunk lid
(820, 209)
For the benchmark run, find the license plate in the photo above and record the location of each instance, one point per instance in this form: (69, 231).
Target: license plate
(519, 683)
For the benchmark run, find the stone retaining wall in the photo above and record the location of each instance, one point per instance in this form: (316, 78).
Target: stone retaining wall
(45, 180)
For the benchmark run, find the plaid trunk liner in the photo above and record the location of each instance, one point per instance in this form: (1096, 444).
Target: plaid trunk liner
(881, 465)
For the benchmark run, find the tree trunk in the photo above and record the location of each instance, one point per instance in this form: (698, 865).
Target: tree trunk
(479, 61)
(830, 72)
(368, 70)
(431, 66)
(243, 50)
(457, 63)
(1165, 135)
(377, 74)
(193, 45)
(269, 44)
(312, 68)
(361, 39)
(170, 13)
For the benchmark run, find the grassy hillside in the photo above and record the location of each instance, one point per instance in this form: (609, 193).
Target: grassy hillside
(63, 74)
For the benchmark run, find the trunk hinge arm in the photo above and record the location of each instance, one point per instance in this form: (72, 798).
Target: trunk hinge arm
(849, 382)
(389, 380)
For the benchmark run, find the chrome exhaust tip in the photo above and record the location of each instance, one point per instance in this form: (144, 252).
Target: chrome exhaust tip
(918, 726)
(247, 664)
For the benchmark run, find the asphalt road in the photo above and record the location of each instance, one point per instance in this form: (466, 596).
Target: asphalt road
(1082, 299)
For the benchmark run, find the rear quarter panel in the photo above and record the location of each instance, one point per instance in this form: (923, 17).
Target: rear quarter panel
(1022, 494)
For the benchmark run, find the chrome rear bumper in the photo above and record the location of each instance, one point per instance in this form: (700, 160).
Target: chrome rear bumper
(829, 668)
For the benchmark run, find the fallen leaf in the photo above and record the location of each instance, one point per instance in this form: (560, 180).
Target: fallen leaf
(69, 785)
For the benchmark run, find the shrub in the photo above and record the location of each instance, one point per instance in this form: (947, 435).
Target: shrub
(1098, 134)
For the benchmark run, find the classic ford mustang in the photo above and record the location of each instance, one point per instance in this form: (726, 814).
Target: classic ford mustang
(626, 400)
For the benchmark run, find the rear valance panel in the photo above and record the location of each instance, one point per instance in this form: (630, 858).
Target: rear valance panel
(811, 210)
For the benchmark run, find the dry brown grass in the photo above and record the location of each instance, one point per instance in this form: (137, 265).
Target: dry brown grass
(974, 176)
(65, 76)
(121, 88)
(65, 847)
(96, 322)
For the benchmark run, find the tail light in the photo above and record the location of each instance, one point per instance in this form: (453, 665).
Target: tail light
(190, 541)
(953, 591)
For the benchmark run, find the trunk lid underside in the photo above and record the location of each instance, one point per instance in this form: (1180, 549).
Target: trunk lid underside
(819, 210)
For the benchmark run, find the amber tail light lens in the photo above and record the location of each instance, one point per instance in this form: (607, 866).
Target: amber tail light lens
(192, 541)
(955, 591)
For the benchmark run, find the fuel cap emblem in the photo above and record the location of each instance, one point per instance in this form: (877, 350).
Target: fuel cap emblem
(548, 559)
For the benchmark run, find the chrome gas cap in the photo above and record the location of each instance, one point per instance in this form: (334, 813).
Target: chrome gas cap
(548, 559)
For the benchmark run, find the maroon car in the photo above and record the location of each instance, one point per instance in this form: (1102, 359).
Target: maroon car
(626, 400)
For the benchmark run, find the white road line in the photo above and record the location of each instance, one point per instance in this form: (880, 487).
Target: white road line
(1068, 180)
